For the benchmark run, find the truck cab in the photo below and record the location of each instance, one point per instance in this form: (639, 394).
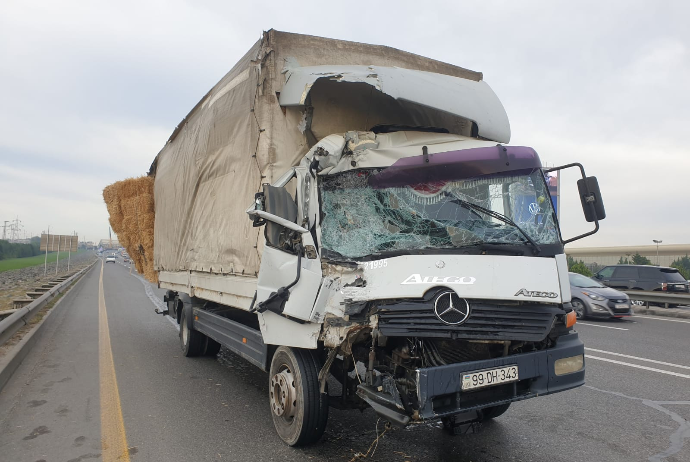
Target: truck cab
(434, 262)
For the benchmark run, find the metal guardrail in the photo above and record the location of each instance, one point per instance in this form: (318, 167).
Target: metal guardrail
(21, 317)
(663, 298)
(6, 313)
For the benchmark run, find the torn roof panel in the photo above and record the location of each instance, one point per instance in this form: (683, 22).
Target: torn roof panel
(465, 98)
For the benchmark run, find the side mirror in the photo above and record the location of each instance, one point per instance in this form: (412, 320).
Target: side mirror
(279, 202)
(590, 196)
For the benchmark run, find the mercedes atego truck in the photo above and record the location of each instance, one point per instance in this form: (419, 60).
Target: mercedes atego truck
(338, 211)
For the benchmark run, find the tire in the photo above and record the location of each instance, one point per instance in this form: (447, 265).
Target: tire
(299, 410)
(495, 411)
(211, 347)
(193, 343)
(579, 308)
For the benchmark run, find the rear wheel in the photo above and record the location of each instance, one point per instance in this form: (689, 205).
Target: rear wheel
(579, 308)
(298, 408)
(192, 342)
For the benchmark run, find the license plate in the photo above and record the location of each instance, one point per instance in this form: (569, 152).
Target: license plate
(621, 305)
(482, 379)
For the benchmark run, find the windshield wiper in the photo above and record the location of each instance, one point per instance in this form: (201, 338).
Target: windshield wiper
(500, 217)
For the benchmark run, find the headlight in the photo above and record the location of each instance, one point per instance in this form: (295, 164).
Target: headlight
(569, 365)
(594, 296)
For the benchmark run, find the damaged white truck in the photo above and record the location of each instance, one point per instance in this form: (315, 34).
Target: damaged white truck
(337, 211)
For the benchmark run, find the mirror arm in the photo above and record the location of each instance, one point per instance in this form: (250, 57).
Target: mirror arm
(277, 220)
(283, 180)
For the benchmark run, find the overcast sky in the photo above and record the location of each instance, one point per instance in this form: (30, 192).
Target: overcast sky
(90, 92)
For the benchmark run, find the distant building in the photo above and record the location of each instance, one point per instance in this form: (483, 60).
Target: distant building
(602, 256)
(109, 244)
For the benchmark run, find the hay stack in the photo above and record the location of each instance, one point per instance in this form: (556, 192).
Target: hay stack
(131, 208)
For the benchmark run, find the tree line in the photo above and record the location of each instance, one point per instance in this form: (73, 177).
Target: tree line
(12, 250)
(578, 266)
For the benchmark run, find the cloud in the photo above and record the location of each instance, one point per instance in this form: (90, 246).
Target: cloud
(91, 90)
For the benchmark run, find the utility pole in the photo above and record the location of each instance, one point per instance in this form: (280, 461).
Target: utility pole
(45, 267)
(57, 257)
(4, 231)
(657, 242)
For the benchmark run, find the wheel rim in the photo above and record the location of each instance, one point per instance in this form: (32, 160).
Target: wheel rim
(284, 394)
(579, 309)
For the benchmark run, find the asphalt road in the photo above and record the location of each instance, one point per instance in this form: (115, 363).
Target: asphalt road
(634, 407)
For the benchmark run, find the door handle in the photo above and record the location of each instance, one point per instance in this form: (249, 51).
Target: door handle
(632, 280)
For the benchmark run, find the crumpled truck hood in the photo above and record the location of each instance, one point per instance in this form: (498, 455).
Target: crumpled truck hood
(461, 97)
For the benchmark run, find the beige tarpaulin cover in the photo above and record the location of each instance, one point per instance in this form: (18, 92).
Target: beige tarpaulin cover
(239, 137)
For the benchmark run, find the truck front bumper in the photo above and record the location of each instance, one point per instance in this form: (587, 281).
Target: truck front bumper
(440, 394)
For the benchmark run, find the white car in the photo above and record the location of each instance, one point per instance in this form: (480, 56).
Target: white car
(110, 258)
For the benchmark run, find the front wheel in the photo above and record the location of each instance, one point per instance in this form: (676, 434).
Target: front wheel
(298, 408)
(579, 308)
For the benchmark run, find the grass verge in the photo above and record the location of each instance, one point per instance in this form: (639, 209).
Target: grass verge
(18, 263)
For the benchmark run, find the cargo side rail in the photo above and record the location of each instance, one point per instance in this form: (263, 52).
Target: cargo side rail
(238, 338)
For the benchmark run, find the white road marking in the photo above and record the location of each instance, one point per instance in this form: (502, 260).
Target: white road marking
(642, 316)
(597, 325)
(676, 374)
(638, 358)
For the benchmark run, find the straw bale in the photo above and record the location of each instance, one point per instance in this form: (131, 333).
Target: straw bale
(151, 275)
(128, 188)
(130, 204)
(145, 203)
(129, 207)
(147, 220)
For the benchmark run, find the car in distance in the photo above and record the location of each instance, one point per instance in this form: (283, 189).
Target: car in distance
(110, 258)
(593, 299)
(642, 277)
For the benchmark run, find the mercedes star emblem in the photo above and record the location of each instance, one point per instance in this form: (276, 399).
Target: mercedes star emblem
(451, 309)
(440, 264)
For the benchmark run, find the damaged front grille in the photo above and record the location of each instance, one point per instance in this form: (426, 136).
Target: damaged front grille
(487, 321)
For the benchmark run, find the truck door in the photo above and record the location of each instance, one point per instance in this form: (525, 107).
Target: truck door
(280, 260)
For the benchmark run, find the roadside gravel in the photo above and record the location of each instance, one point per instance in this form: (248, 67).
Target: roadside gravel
(15, 283)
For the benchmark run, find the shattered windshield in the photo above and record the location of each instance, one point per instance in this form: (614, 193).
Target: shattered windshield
(360, 221)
